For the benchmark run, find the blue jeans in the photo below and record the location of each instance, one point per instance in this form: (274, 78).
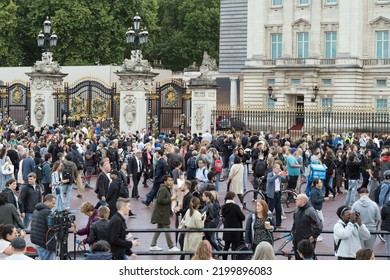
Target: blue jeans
(27, 220)
(45, 254)
(245, 177)
(66, 193)
(4, 179)
(352, 187)
(308, 186)
(59, 199)
(217, 177)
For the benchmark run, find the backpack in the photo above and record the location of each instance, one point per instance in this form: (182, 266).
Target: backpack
(124, 191)
(218, 166)
(67, 173)
(78, 160)
(377, 192)
(39, 171)
(191, 163)
(260, 168)
(165, 168)
(110, 154)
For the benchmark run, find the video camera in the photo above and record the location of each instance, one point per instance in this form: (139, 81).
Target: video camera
(61, 219)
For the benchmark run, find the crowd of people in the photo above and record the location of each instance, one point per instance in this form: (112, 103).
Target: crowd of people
(41, 169)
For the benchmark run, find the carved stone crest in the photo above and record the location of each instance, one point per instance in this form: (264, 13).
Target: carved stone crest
(39, 110)
(199, 117)
(130, 109)
(45, 82)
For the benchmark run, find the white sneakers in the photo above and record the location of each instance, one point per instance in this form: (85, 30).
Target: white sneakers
(174, 249)
(156, 248)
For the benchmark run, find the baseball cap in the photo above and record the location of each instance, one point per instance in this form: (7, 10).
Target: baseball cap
(18, 243)
(292, 150)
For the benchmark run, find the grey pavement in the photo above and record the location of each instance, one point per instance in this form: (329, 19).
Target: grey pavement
(142, 221)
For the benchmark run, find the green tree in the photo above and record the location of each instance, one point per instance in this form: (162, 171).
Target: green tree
(187, 29)
(89, 31)
(10, 51)
(93, 31)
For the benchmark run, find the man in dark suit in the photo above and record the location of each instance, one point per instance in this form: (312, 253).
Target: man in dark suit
(102, 183)
(135, 169)
(275, 180)
(161, 170)
(120, 246)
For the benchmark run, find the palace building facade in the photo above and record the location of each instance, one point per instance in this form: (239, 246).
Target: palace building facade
(307, 52)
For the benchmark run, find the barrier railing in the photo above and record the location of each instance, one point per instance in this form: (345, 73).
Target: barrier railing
(175, 230)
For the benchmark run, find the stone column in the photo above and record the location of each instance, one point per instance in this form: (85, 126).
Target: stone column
(344, 32)
(46, 78)
(204, 100)
(133, 87)
(233, 91)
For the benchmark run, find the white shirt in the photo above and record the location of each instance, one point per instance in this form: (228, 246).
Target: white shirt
(4, 244)
(138, 165)
(18, 257)
(277, 184)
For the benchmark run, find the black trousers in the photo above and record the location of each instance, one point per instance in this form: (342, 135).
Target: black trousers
(234, 246)
(136, 179)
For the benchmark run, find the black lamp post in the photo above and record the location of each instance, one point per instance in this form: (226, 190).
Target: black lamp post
(45, 39)
(315, 93)
(135, 35)
(270, 90)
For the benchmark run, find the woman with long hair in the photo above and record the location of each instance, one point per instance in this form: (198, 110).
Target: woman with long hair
(203, 251)
(57, 186)
(259, 226)
(193, 219)
(4, 160)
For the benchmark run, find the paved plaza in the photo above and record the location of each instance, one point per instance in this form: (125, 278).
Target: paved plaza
(142, 221)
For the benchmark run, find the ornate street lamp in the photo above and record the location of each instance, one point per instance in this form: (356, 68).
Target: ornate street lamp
(315, 93)
(135, 35)
(45, 39)
(270, 90)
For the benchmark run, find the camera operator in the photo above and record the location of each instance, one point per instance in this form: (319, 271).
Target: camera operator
(88, 209)
(348, 234)
(41, 235)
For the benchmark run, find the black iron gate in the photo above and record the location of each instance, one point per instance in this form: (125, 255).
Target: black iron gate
(169, 108)
(88, 102)
(15, 102)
